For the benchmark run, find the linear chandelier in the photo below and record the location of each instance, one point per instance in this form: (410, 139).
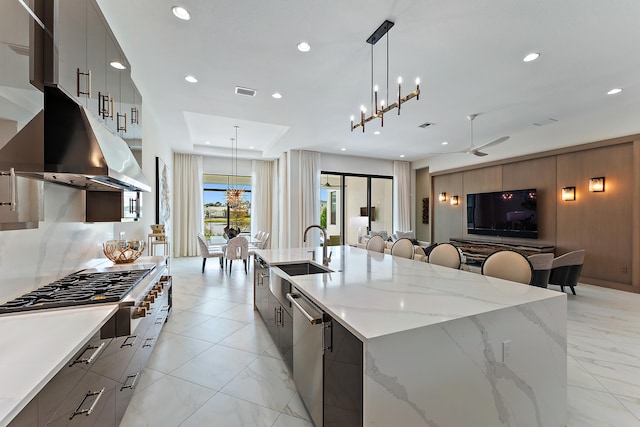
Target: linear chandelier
(234, 193)
(379, 110)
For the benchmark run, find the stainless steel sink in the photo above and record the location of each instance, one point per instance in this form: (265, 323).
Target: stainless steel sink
(301, 268)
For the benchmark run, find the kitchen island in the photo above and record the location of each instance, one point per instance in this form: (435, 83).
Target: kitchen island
(443, 347)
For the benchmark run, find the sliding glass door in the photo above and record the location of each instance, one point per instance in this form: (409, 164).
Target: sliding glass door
(353, 204)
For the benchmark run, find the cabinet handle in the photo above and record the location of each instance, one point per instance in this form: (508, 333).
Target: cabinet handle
(90, 358)
(111, 107)
(105, 105)
(134, 116)
(123, 116)
(159, 321)
(133, 383)
(261, 278)
(148, 342)
(13, 183)
(88, 75)
(129, 344)
(275, 316)
(87, 412)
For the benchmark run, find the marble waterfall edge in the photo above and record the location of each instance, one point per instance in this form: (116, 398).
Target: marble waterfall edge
(457, 373)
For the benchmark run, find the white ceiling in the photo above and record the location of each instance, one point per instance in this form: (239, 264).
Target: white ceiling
(468, 54)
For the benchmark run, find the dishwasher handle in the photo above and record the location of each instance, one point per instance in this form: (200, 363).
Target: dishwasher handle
(311, 313)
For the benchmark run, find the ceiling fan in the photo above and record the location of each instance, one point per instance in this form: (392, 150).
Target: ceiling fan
(476, 149)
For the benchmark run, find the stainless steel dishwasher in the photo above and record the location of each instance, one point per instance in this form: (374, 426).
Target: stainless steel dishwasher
(308, 353)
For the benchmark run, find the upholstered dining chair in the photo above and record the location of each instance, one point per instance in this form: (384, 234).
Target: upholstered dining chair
(402, 248)
(237, 249)
(263, 244)
(446, 255)
(508, 265)
(541, 264)
(419, 254)
(207, 251)
(375, 244)
(565, 269)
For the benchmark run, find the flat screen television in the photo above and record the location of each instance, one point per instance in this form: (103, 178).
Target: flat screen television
(511, 213)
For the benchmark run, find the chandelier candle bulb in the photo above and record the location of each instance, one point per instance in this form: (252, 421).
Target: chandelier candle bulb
(375, 92)
(382, 113)
(417, 88)
(362, 111)
(352, 123)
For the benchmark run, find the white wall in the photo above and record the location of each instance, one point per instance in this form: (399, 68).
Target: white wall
(353, 164)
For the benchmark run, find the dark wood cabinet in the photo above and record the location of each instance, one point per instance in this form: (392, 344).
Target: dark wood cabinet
(343, 378)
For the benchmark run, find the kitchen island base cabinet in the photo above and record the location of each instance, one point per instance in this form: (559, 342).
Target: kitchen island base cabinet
(343, 374)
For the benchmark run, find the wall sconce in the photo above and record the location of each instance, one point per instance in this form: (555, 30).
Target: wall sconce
(454, 200)
(442, 197)
(568, 193)
(596, 184)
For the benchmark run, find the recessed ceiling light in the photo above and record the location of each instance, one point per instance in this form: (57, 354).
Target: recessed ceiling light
(343, 149)
(445, 143)
(251, 147)
(191, 79)
(207, 142)
(531, 57)
(117, 65)
(181, 13)
(377, 132)
(304, 47)
(614, 91)
(276, 95)
(401, 155)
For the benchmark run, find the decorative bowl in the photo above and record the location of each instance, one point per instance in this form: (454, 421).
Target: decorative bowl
(123, 251)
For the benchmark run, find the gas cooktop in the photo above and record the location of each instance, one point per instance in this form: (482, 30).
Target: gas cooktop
(85, 287)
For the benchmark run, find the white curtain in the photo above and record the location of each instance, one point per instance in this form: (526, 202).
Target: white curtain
(402, 196)
(188, 205)
(263, 196)
(309, 196)
(275, 205)
(283, 216)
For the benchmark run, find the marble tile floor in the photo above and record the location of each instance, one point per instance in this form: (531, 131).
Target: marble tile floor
(216, 365)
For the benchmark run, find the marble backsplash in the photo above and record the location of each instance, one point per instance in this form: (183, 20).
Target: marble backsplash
(62, 244)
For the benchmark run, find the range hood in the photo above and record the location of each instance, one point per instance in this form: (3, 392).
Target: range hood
(65, 144)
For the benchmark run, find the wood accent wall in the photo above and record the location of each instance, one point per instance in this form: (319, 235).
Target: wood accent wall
(604, 224)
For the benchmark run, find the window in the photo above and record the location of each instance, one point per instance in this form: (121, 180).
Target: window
(217, 214)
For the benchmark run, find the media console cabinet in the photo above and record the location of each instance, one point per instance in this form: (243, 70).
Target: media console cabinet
(476, 250)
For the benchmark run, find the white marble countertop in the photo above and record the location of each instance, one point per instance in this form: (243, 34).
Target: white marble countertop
(374, 294)
(36, 344)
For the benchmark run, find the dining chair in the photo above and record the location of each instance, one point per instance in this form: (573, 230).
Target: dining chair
(446, 255)
(237, 249)
(508, 265)
(402, 248)
(565, 269)
(375, 244)
(207, 251)
(541, 264)
(419, 254)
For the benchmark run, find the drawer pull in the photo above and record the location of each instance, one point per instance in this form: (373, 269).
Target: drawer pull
(90, 359)
(133, 383)
(87, 412)
(159, 320)
(126, 342)
(165, 308)
(148, 342)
